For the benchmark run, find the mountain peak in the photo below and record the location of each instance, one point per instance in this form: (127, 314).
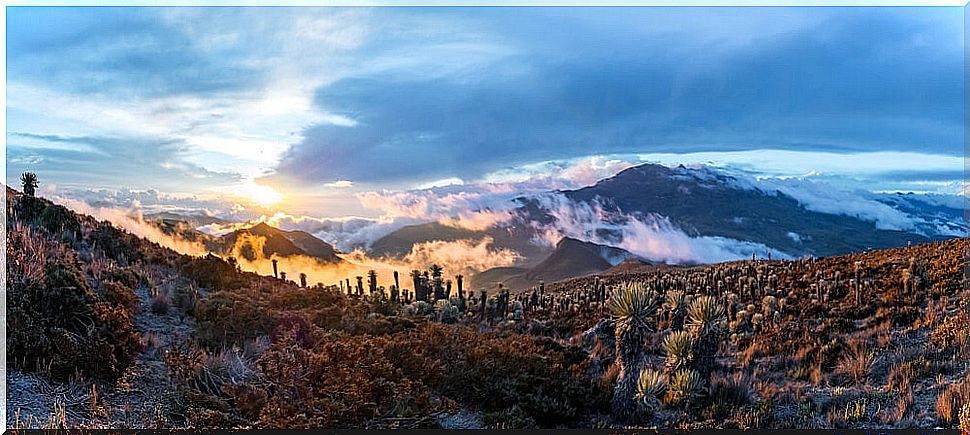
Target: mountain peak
(263, 228)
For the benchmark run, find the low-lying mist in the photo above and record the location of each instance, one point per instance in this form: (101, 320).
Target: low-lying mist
(133, 222)
(457, 257)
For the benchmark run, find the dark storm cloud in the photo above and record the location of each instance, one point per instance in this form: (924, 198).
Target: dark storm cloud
(572, 82)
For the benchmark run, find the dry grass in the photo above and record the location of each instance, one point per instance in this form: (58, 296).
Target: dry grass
(950, 402)
(892, 417)
(857, 362)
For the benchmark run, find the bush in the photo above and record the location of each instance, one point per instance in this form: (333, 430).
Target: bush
(686, 387)
(858, 362)
(232, 317)
(161, 303)
(57, 323)
(494, 372)
(212, 272)
(345, 381)
(118, 294)
(512, 418)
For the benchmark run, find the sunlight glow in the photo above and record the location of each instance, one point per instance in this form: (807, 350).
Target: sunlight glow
(262, 195)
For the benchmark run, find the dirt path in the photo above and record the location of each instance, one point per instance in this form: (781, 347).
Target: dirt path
(142, 398)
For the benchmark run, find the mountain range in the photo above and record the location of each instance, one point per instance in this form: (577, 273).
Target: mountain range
(631, 215)
(697, 202)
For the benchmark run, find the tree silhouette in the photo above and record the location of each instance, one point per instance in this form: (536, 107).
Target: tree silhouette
(436, 283)
(372, 281)
(29, 182)
(419, 291)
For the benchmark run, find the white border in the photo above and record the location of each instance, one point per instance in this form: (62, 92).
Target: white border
(458, 3)
(389, 3)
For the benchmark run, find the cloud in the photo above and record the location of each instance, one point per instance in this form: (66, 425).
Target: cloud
(837, 80)
(231, 91)
(649, 236)
(133, 222)
(364, 99)
(825, 199)
(458, 257)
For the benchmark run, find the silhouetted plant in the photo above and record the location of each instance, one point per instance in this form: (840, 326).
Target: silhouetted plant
(29, 182)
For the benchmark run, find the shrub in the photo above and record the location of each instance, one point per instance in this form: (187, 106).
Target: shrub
(650, 388)
(232, 317)
(212, 272)
(161, 303)
(731, 390)
(686, 387)
(56, 322)
(118, 294)
(345, 381)
(512, 418)
(493, 372)
(951, 335)
(857, 362)
(678, 346)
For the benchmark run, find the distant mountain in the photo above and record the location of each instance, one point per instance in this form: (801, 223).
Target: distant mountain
(943, 214)
(398, 243)
(700, 202)
(182, 229)
(632, 265)
(277, 242)
(571, 258)
(707, 202)
(194, 219)
(516, 235)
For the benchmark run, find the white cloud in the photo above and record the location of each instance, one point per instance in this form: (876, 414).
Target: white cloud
(340, 184)
(242, 129)
(650, 236)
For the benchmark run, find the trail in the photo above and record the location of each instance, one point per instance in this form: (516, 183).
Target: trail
(142, 398)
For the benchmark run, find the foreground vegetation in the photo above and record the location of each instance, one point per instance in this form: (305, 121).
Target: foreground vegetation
(861, 341)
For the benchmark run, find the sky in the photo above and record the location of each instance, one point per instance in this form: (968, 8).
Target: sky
(336, 111)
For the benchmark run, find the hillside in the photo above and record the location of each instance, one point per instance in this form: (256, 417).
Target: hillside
(110, 330)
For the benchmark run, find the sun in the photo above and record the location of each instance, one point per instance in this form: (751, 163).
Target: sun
(262, 195)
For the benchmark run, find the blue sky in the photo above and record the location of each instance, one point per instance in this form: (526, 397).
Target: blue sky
(325, 104)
